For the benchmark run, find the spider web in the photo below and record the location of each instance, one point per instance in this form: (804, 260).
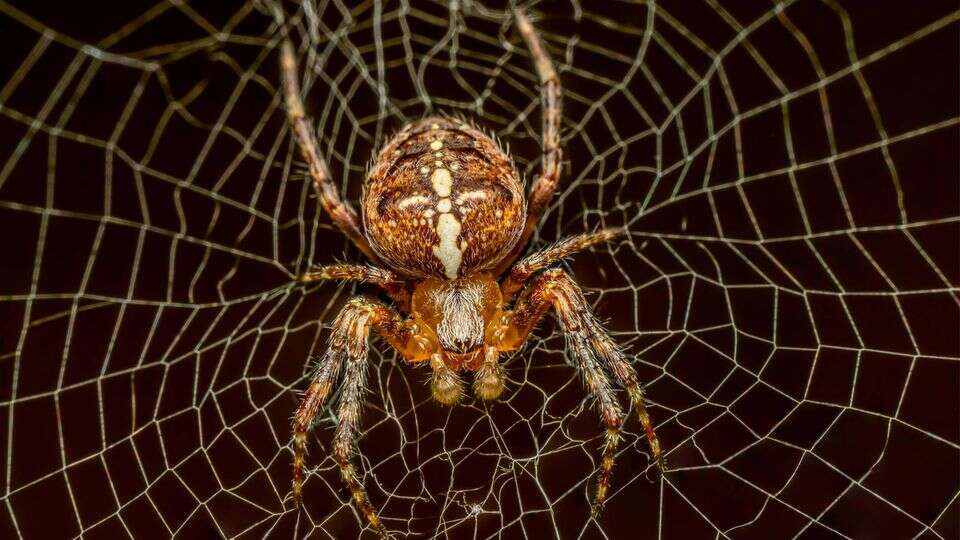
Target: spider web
(788, 173)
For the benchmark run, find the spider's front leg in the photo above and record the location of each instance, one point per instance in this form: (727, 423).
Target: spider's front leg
(347, 350)
(592, 350)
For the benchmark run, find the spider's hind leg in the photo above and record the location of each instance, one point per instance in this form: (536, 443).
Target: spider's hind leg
(541, 192)
(340, 211)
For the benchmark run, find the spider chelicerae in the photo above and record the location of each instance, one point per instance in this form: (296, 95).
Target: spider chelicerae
(444, 222)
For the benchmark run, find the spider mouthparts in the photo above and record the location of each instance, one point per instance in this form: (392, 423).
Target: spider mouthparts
(445, 384)
(489, 381)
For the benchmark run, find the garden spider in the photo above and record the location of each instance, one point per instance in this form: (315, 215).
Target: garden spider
(444, 216)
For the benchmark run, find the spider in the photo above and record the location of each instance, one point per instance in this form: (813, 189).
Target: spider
(444, 222)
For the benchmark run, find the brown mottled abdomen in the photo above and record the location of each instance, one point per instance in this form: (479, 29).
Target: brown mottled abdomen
(443, 200)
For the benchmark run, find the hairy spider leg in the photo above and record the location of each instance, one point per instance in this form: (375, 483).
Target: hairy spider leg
(324, 377)
(551, 109)
(347, 349)
(392, 284)
(592, 349)
(342, 214)
(533, 263)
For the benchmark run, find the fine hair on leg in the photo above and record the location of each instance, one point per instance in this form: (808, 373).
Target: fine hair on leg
(342, 214)
(551, 105)
(594, 354)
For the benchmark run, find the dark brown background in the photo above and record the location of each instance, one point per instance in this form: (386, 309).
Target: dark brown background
(805, 378)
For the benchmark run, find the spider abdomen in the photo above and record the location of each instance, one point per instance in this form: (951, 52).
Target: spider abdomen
(443, 200)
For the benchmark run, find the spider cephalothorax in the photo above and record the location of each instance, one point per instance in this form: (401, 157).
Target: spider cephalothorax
(445, 218)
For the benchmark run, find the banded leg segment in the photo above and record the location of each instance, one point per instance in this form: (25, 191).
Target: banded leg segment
(342, 214)
(579, 342)
(627, 377)
(345, 439)
(592, 350)
(347, 350)
(324, 378)
(551, 109)
(535, 262)
(392, 284)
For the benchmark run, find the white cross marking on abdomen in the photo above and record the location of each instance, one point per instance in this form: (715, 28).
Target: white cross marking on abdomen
(448, 228)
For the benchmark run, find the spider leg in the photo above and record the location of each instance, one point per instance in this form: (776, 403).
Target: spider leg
(592, 349)
(392, 284)
(539, 260)
(324, 377)
(342, 214)
(551, 105)
(344, 441)
(347, 349)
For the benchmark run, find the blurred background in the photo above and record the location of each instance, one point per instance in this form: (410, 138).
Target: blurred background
(788, 173)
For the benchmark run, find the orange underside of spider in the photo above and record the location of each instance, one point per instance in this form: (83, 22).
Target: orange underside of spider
(444, 220)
